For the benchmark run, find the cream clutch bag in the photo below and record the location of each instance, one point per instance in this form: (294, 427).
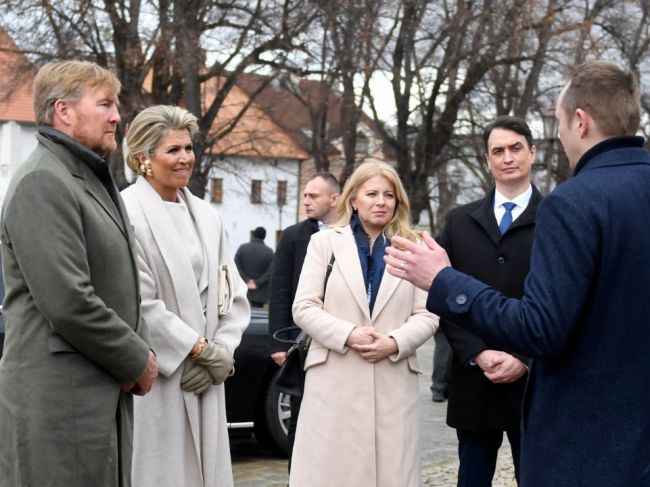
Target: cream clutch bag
(226, 290)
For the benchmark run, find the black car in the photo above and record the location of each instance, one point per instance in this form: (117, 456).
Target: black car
(253, 402)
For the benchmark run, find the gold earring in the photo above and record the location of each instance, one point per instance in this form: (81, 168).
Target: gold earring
(145, 168)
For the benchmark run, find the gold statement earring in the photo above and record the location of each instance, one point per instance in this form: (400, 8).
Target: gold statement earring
(145, 168)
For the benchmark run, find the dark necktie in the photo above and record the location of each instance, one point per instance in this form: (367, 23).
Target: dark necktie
(506, 221)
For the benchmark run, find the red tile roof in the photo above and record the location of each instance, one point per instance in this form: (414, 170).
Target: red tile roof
(16, 75)
(277, 124)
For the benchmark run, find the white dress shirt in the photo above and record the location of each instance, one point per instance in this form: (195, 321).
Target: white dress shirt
(520, 200)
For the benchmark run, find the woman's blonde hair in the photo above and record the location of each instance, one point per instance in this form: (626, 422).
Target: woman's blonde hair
(400, 224)
(150, 126)
(66, 80)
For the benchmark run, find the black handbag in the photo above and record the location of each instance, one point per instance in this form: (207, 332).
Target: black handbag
(291, 378)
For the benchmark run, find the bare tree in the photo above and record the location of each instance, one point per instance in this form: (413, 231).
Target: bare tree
(166, 51)
(439, 53)
(453, 65)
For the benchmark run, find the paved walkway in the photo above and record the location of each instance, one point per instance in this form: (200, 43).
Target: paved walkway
(254, 467)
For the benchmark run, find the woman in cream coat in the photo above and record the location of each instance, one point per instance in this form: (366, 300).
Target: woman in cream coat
(359, 421)
(180, 431)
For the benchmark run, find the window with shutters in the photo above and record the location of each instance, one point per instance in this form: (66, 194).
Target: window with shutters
(256, 191)
(217, 190)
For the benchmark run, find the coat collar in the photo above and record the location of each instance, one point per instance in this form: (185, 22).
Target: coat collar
(172, 250)
(85, 164)
(346, 255)
(484, 215)
(601, 154)
(208, 227)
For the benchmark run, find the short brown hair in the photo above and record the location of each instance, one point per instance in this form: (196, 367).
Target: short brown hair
(608, 94)
(330, 179)
(66, 80)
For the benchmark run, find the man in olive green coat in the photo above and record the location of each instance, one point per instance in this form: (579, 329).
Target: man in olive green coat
(75, 348)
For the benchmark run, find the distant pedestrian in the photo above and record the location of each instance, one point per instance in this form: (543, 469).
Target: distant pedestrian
(442, 357)
(254, 261)
(76, 349)
(359, 419)
(584, 313)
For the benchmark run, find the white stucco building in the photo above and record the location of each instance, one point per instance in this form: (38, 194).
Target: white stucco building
(258, 168)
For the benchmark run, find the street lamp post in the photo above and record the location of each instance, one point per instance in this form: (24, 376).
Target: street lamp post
(456, 177)
(550, 134)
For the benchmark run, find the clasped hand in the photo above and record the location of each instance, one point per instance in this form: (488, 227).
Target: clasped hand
(500, 367)
(370, 344)
(211, 367)
(144, 383)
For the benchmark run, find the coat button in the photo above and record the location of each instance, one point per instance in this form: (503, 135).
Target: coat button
(501, 260)
(461, 299)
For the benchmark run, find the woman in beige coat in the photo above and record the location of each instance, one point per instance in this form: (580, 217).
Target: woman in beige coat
(359, 420)
(180, 429)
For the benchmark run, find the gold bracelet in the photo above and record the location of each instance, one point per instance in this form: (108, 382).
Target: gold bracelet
(199, 348)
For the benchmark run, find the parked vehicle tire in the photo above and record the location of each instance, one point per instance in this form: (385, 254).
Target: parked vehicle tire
(272, 422)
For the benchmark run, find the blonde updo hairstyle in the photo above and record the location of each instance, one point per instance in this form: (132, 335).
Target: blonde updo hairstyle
(400, 224)
(150, 126)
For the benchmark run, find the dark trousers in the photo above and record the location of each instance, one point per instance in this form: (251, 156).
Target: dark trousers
(442, 356)
(477, 452)
(294, 404)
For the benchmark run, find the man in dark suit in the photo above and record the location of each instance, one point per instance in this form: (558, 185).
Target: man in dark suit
(253, 260)
(584, 313)
(487, 382)
(320, 198)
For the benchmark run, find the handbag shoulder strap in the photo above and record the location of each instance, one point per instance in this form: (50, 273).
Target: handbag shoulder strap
(303, 334)
(330, 266)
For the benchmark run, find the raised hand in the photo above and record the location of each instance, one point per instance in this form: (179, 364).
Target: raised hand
(416, 263)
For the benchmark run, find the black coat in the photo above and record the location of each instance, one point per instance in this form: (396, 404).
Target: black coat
(254, 260)
(475, 247)
(287, 264)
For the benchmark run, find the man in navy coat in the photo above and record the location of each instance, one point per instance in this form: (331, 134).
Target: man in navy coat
(585, 313)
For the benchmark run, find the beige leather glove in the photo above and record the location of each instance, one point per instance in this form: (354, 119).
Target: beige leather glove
(197, 379)
(217, 359)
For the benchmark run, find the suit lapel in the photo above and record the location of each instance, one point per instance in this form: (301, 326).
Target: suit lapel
(484, 216)
(347, 258)
(528, 215)
(91, 182)
(98, 192)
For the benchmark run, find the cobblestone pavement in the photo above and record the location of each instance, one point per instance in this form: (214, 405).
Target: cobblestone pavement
(253, 467)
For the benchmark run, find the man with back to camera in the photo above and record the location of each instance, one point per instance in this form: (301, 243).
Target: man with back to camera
(320, 199)
(490, 239)
(75, 346)
(254, 260)
(584, 313)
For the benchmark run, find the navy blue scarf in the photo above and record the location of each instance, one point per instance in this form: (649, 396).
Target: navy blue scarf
(372, 262)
